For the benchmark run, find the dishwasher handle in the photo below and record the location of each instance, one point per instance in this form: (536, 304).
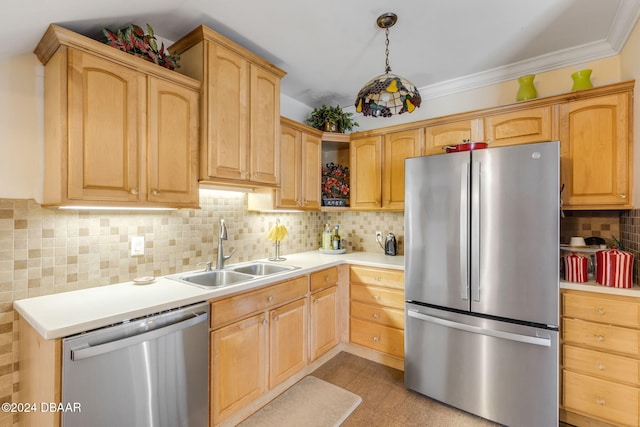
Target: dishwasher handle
(86, 352)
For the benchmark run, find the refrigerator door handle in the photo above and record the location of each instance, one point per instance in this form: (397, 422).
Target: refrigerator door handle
(475, 230)
(464, 232)
(541, 341)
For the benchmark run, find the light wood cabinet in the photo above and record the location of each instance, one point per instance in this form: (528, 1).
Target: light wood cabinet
(250, 355)
(300, 157)
(440, 135)
(377, 309)
(377, 168)
(597, 152)
(600, 358)
(240, 109)
(119, 131)
(323, 318)
(519, 127)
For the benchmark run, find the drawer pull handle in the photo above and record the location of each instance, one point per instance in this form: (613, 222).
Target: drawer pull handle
(600, 366)
(600, 400)
(600, 311)
(376, 339)
(377, 278)
(376, 316)
(270, 299)
(599, 338)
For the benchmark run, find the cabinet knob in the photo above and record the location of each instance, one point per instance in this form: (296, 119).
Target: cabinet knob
(327, 278)
(376, 297)
(622, 196)
(376, 339)
(256, 174)
(276, 318)
(155, 192)
(264, 322)
(599, 338)
(305, 202)
(316, 301)
(298, 202)
(600, 311)
(376, 316)
(270, 298)
(600, 400)
(600, 366)
(133, 190)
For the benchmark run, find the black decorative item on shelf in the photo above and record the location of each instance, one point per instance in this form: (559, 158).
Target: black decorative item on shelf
(335, 184)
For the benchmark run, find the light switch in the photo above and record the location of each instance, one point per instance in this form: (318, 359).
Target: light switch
(137, 245)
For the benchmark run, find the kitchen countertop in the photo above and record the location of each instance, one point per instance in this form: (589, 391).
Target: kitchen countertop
(592, 286)
(68, 313)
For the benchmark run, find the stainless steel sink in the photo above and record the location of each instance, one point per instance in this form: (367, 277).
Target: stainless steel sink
(215, 278)
(261, 268)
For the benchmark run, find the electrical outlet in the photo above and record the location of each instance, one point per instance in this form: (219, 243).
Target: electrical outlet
(378, 236)
(137, 245)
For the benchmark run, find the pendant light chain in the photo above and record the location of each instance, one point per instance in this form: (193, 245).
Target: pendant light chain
(386, 51)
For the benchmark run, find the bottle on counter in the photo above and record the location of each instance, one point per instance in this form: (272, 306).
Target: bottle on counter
(326, 237)
(336, 241)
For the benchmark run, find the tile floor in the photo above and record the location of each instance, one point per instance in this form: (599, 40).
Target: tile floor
(385, 400)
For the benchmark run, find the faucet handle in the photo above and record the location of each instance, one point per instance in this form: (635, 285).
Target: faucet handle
(226, 257)
(207, 265)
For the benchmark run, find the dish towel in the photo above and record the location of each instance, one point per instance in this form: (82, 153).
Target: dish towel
(277, 233)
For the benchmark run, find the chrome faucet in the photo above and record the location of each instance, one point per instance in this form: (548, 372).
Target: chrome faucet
(222, 236)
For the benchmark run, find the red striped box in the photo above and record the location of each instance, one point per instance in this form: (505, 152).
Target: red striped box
(575, 268)
(614, 268)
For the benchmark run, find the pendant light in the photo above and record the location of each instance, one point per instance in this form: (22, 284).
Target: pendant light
(387, 94)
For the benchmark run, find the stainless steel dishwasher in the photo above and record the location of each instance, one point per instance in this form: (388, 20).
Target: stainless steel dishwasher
(147, 372)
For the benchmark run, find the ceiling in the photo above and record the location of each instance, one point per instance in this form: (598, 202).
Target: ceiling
(330, 48)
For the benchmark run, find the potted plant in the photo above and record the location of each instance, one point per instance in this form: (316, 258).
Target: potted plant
(133, 40)
(331, 119)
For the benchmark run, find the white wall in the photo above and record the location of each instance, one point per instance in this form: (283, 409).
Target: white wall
(21, 127)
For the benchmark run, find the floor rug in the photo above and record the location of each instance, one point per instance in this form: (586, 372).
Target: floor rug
(310, 402)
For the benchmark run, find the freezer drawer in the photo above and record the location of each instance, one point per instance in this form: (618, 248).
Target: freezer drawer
(504, 372)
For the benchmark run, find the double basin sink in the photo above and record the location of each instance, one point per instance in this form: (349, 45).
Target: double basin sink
(231, 275)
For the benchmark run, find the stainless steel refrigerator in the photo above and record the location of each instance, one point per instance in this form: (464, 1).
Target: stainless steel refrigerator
(481, 281)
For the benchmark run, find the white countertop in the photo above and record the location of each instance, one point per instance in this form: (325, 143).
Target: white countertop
(592, 286)
(68, 313)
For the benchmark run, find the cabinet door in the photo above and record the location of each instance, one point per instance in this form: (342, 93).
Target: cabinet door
(519, 127)
(106, 129)
(310, 171)
(288, 195)
(173, 144)
(265, 126)
(439, 136)
(366, 173)
(596, 152)
(398, 146)
(239, 358)
(324, 322)
(224, 150)
(288, 341)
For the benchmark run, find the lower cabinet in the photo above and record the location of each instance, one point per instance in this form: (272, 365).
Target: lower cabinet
(600, 359)
(377, 309)
(250, 355)
(323, 318)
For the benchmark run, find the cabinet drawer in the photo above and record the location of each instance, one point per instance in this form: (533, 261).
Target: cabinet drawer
(386, 316)
(378, 337)
(603, 365)
(377, 277)
(601, 399)
(604, 337)
(238, 306)
(323, 278)
(602, 309)
(378, 296)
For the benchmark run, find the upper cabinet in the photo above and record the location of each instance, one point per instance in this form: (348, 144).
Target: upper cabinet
(519, 127)
(377, 168)
(119, 131)
(240, 101)
(596, 149)
(438, 135)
